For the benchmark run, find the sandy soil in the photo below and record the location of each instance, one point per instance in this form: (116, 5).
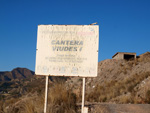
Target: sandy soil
(118, 108)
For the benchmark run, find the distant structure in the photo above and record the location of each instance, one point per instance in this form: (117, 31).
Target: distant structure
(124, 55)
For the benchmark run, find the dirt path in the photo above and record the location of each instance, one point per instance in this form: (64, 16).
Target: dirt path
(118, 108)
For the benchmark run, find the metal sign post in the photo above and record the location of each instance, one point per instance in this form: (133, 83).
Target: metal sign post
(46, 92)
(83, 94)
(67, 50)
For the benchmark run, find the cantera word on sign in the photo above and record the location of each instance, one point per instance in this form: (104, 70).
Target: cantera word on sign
(66, 42)
(67, 45)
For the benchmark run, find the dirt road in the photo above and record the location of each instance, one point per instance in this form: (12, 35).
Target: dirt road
(118, 108)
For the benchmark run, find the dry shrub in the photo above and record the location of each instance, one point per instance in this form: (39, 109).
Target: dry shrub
(29, 107)
(100, 109)
(126, 99)
(144, 58)
(148, 96)
(1, 106)
(114, 89)
(23, 105)
(60, 100)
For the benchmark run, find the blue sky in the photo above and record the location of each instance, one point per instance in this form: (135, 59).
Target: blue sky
(124, 26)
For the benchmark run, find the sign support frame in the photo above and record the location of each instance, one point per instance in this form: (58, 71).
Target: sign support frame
(46, 94)
(42, 66)
(83, 95)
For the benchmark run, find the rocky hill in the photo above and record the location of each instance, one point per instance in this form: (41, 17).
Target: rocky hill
(118, 81)
(17, 73)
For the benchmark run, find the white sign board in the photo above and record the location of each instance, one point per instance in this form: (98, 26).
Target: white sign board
(67, 50)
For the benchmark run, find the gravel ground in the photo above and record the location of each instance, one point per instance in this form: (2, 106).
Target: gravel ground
(118, 108)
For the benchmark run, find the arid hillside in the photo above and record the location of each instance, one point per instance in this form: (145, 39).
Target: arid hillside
(118, 82)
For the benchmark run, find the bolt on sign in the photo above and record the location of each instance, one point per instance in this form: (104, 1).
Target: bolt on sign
(67, 50)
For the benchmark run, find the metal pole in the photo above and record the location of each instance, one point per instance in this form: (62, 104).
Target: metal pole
(46, 92)
(83, 94)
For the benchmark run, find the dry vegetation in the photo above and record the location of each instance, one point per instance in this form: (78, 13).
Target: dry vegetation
(132, 87)
(60, 100)
(125, 89)
(117, 82)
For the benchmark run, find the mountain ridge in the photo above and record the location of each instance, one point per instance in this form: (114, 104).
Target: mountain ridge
(16, 73)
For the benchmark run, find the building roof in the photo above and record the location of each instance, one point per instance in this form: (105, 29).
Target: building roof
(130, 53)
